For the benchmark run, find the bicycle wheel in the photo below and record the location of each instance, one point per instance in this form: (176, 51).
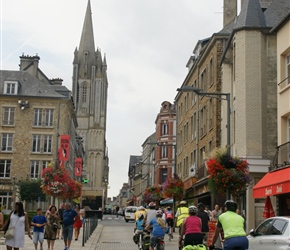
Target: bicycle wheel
(140, 242)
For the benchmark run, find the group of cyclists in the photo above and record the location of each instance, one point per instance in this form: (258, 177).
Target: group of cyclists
(192, 222)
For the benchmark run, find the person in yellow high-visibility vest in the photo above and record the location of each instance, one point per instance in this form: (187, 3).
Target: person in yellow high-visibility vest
(181, 214)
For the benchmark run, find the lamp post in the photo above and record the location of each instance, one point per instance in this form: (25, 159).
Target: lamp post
(218, 96)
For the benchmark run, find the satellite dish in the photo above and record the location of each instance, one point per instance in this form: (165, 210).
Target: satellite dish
(192, 171)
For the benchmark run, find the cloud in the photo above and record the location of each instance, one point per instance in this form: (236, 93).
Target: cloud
(147, 45)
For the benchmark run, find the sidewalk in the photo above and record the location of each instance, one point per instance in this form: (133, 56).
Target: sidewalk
(91, 244)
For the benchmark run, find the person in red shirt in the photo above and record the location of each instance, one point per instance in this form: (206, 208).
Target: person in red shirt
(191, 228)
(169, 220)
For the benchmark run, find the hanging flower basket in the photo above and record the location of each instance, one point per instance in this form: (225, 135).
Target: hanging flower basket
(152, 193)
(173, 187)
(58, 183)
(227, 173)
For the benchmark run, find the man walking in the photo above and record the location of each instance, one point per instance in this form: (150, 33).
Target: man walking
(38, 222)
(68, 220)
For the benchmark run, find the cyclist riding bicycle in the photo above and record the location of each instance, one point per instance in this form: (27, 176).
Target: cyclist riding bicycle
(191, 228)
(233, 227)
(169, 220)
(159, 226)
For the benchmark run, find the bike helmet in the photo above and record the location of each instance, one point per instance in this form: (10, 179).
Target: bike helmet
(231, 205)
(183, 203)
(152, 204)
(159, 213)
(192, 209)
(168, 208)
(141, 208)
(200, 205)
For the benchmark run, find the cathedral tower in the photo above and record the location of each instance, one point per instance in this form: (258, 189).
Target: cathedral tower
(90, 88)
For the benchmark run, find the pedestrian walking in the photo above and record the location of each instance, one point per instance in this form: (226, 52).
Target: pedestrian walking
(60, 213)
(77, 222)
(117, 210)
(38, 222)
(68, 220)
(19, 220)
(215, 213)
(204, 221)
(51, 227)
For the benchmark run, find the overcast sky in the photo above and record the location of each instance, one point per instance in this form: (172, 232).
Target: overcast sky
(147, 45)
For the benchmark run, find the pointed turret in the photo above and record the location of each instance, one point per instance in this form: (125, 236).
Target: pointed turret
(86, 53)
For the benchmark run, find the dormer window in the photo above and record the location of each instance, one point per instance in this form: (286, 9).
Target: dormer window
(11, 88)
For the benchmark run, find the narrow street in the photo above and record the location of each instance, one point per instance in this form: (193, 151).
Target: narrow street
(117, 234)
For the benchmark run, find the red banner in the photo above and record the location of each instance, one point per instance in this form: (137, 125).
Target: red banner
(78, 166)
(64, 147)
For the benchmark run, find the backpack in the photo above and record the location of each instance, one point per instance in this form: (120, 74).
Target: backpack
(146, 242)
(195, 247)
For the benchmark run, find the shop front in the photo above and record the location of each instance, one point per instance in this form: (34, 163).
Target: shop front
(275, 183)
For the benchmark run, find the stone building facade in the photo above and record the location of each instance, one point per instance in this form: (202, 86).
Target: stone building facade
(90, 90)
(199, 117)
(35, 111)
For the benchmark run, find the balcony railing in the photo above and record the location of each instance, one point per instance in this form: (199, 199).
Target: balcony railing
(282, 156)
(202, 171)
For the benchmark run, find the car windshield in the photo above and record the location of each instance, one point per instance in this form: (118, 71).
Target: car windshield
(131, 210)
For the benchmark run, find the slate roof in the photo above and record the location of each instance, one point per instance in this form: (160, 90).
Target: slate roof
(276, 12)
(134, 159)
(251, 16)
(32, 86)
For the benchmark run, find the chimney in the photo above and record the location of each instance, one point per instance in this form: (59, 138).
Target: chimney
(230, 11)
(56, 81)
(27, 61)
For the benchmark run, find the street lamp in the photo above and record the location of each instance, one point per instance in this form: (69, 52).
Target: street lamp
(218, 96)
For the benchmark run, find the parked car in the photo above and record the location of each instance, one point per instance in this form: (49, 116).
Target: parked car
(108, 210)
(272, 233)
(130, 213)
(121, 212)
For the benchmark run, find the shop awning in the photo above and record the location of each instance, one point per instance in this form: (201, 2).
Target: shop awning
(273, 183)
(166, 201)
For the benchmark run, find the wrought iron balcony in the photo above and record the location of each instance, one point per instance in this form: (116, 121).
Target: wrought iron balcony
(202, 171)
(282, 156)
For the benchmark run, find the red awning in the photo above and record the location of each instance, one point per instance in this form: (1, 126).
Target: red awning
(273, 183)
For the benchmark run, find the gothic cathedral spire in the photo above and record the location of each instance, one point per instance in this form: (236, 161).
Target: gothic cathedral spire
(90, 88)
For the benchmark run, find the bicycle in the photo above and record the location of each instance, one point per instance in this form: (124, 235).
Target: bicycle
(168, 231)
(160, 244)
(140, 234)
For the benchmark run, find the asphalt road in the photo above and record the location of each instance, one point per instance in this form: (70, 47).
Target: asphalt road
(118, 234)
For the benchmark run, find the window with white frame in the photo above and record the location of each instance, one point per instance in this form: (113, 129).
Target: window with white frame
(164, 150)
(47, 143)
(5, 168)
(11, 88)
(37, 117)
(36, 168)
(5, 198)
(6, 142)
(48, 118)
(43, 117)
(41, 143)
(36, 143)
(164, 129)
(45, 164)
(8, 116)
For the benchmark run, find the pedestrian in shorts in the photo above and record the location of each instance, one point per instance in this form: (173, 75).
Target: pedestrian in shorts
(38, 222)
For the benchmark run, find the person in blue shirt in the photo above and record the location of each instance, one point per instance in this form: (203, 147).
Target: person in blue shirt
(159, 227)
(68, 221)
(139, 227)
(38, 222)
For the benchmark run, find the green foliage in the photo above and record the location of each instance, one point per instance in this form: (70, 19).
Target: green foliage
(29, 191)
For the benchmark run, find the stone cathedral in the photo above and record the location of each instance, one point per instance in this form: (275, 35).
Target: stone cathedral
(90, 90)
